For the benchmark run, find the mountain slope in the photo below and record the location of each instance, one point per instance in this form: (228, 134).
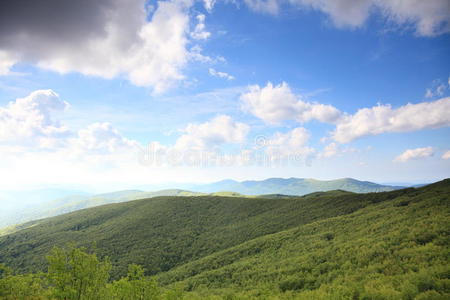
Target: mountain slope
(161, 233)
(49, 206)
(293, 186)
(327, 245)
(395, 249)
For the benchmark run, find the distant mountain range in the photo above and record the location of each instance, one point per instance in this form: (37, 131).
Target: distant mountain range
(294, 186)
(49, 206)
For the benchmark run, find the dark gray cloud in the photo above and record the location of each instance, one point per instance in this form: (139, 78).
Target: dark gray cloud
(51, 20)
(106, 38)
(34, 28)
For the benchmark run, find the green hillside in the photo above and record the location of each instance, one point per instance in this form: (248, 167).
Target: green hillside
(163, 232)
(272, 188)
(327, 245)
(68, 204)
(394, 249)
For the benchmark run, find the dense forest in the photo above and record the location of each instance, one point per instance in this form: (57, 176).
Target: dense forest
(331, 245)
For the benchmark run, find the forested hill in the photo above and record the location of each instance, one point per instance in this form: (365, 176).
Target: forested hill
(334, 244)
(49, 207)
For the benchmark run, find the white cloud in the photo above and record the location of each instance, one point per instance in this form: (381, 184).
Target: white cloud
(36, 148)
(351, 13)
(28, 121)
(220, 130)
(446, 155)
(383, 118)
(441, 89)
(195, 54)
(28, 125)
(417, 153)
(215, 73)
(293, 142)
(330, 150)
(437, 88)
(274, 104)
(101, 138)
(119, 42)
(431, 17)
(429, 93)
(333, 149)
(264, 6)
(199, 32)
(6, 63)
(209, 5)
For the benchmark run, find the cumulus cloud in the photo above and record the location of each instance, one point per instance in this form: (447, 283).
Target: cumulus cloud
(446, 155)
(102, 38)
(220, 130)
(431, 17)
(101, 138)
(384, 118)
(199, 32)
(274, 104)
(28, 121)
(293, 142)
(417, 153)
(28, 124)
(215, 73)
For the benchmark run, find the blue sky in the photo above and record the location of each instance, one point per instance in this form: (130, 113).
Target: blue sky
(314, 89)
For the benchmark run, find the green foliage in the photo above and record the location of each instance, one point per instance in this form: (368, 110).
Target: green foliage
(165, 232)
(75, 274)
(334, 245)
(134, 286)
(382, 251)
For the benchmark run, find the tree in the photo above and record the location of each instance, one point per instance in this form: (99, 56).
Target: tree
(135, 286)
(77, 275)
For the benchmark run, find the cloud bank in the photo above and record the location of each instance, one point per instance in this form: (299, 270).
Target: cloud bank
(383, 118)
(108, 38)
(428, 18)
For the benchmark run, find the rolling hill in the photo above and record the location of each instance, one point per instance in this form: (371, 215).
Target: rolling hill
(325, 245)
(48, 207)
(58, 206)
(395, 248)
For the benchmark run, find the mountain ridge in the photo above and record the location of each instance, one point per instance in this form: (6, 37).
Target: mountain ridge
(293, 186)
(271, 186)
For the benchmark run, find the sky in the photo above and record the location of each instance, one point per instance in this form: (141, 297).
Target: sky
(121, 94)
